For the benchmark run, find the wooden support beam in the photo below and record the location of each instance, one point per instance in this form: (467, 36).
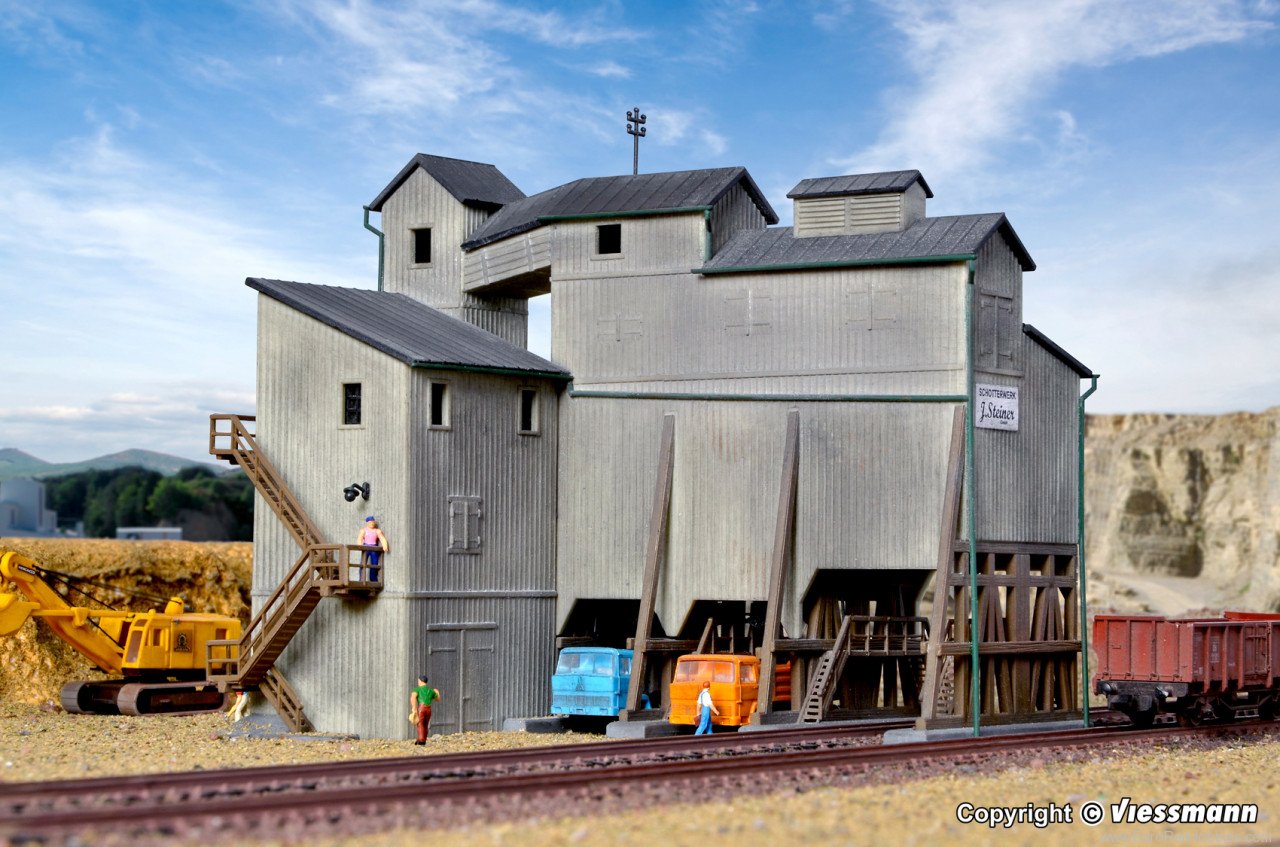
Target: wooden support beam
(704, 643)
(947, 532)
(783, 534)
(659, 524)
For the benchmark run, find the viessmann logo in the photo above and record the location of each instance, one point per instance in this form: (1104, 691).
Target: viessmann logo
(1092, 813)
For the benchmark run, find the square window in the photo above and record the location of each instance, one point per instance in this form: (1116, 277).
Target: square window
(609, 239)
(422, 246)
(528, 411)
(439, 405)
(351, 404)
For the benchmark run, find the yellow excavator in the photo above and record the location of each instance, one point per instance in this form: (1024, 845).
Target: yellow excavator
(159, 657)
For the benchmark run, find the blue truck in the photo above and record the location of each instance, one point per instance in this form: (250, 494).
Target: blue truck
(591, 681)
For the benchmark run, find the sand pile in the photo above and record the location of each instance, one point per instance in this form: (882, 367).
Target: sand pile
(209, 576)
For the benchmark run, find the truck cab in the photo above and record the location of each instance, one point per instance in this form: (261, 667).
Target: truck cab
(735, 686)
(591, 681)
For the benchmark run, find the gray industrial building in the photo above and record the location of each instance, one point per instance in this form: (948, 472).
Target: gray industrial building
(748, 433)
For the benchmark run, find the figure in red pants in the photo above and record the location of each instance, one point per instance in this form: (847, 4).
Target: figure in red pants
(420, 707)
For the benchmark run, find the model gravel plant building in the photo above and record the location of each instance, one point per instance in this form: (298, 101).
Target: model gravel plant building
(751, 439)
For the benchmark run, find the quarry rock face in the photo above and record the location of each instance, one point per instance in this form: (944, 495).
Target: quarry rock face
(1191, 496)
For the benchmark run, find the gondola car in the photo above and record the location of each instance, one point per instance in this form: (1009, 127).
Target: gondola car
(1199, 669)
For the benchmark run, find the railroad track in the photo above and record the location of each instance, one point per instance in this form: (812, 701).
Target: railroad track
(426, 792)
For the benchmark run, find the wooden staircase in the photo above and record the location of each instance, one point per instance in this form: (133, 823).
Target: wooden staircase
(323, 570)
(895, 642)
(822, 685)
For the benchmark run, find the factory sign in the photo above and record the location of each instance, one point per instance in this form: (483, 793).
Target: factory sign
(997, 407)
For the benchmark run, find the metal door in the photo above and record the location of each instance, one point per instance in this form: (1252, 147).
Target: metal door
(460, 659)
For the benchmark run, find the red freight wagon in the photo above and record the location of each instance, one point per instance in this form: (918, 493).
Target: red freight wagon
(1196, 668)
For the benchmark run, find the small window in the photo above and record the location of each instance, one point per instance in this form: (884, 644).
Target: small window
(350, 404)
(609, 239)
(439, 405)
(528, 411)
(422, 246)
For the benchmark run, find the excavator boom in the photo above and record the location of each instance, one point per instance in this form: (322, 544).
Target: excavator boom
(72, 624)
(159, 654)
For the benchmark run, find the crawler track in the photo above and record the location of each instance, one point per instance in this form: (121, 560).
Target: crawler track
(356, 797)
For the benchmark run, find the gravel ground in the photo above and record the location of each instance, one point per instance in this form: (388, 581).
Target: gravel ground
(36, 744)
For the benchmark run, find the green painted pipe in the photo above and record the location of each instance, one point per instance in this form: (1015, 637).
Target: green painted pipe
(706, 237)
(636, 213)
(1084, 601)
(485, 369)
(975, 688)
(782, 398)
(847, 263)
(381, 243)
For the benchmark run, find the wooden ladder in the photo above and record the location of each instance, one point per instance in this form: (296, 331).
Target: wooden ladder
(822, 685)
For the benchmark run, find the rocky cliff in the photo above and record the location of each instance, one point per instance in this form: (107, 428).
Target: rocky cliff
(1183, 511)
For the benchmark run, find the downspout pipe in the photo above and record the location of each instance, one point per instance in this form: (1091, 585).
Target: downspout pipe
(381, 243)
(1084, 599)
(975, 688)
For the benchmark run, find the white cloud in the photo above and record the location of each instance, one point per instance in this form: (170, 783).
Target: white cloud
(977, 66)
(610, 68)
(1177, 306)
(437, 58)
(123, 274)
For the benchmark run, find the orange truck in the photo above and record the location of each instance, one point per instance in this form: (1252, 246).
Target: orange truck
(735, 687)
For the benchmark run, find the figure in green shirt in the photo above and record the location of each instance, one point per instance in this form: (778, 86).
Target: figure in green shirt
(420, 707)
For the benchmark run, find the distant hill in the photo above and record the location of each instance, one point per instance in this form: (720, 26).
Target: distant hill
(15, 462)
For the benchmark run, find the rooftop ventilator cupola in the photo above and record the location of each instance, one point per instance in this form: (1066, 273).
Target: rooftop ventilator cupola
(859, 203)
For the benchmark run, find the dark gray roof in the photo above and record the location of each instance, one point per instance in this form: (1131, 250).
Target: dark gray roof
(405, 329)
(953, 237)
(472, 183)
(889, 182)
(660, 192)
(1057, 352)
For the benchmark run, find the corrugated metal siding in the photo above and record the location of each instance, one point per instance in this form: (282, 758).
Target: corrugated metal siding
(997, 270)
(299, 417)
(869, 496)
(904, 325)
(483, 455)
(1026, 480)
(661, 244)
(354, 661)
(422, 202)
(735, 211)
(511, 257)
(344, 660)
(524, 657)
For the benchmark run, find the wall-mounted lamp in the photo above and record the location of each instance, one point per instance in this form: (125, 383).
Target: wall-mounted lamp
(354, 490)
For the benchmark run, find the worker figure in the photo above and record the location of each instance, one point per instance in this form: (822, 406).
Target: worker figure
(371, 536)
(240, 706)
(420, 707)
(706, 708)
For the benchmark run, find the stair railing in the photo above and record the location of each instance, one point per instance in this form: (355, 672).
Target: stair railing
(237, 443)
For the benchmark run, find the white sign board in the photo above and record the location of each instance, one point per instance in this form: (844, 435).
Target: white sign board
(997, 407)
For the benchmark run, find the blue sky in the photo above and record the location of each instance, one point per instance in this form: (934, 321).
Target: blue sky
(153, 155)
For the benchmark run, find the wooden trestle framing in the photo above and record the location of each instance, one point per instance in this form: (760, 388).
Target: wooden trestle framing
(1028, 622)
(322, 570)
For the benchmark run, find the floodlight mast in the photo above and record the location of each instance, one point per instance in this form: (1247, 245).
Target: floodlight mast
(636, 129)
